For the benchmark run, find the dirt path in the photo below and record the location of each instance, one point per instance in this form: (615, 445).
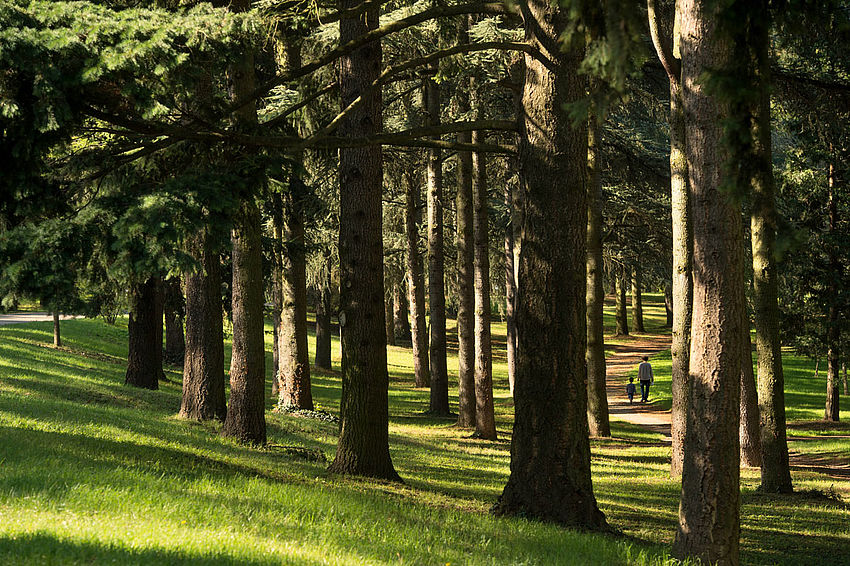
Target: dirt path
(624, 359)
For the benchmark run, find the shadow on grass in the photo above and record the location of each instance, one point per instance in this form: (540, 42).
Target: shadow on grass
(43, 548)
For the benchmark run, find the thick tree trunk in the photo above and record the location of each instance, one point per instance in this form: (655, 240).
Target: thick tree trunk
(144, 357)
(363, 447)
(465, 271)
(485, 420)
(621, 314)
(550, 449)
(775, 467)
(323, 321)
(637, 301)
(57, 334)
(597, 396)
(246, 420)
(709, 527)
(174, 308)
(203, 362)
(416, 281)
(389, 309)
(439, 405)
(749, 433)
(401, 314)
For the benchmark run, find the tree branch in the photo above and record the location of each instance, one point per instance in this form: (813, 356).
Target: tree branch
(663, 45)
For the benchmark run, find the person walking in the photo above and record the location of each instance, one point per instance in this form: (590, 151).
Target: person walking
(646, 379)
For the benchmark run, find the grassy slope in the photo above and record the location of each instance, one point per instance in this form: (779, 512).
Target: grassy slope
(94, 472)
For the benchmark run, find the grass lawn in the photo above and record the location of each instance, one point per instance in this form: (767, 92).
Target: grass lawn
(94, 472)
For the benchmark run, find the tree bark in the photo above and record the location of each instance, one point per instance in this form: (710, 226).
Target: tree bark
(844, 371)
(323, 320)
(621, 315)
(277, 289)
(775, 467)
(709, 528)
(439, 405)
(749, 433)
(144, 365)
(416, 281)
(550, 448)
(679, 317)
(668, 304)
(203, 362)
(597, 395)
(57, 334)
(401, 313)
(174, 307)
(510, 292)
(159, 304)
(246, 419)
(363, 447)
(466, 339)
(833, 331)
(637, 301)
(485, 419)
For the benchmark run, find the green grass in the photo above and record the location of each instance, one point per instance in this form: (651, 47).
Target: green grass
(92, 471)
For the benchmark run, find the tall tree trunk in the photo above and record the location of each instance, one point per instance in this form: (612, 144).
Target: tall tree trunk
(363, 447)
(637, 301)
(748, 432)
(246, 419)
(277, 288)
(833, 331)
(295, 386)
(621, 315)
(550, 449)
(439, 405)
(465, 268)
(144, 365)
(709, 527)
(844, 371)
(597, 395)
(323, 320)
(510, 292)
(174, 307)
(389, 309)
(662, 31)
(485, 419)
(401, 314)
(57, 334)
(203, 362)
(416, 281)
(775, 467)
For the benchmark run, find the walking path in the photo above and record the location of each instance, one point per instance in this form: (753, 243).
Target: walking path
(626, 358)
(22, 317)
(619, 364)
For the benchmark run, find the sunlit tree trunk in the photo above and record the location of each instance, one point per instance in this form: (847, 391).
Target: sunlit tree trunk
(439, 405)
(485, 420)
(637, 301)
(363, 447)
(416, 281)
(833, 331)
(749, 433)
(775, 466)
(550, 447)
(597, 396)
(709, 527)
(57, 334)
